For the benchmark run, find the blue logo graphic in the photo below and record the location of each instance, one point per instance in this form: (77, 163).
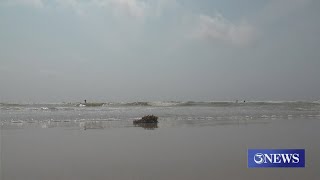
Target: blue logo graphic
(276, 158)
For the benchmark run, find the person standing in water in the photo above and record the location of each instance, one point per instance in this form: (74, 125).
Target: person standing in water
(85, 101)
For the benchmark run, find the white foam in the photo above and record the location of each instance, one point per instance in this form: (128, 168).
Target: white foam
(164, 103)
(16, 121)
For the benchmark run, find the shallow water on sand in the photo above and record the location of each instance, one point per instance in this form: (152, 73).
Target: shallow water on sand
(189, 142)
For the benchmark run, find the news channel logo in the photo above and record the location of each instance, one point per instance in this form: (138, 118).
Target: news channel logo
(276, 158)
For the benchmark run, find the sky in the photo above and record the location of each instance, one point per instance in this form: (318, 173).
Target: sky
(159, 50)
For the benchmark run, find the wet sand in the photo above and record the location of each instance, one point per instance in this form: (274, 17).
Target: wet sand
(176, 152)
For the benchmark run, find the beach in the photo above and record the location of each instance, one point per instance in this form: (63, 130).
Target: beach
(197, 141)
(159, 90)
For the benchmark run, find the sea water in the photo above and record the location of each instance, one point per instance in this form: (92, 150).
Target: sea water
(193, 140)
(117, 115)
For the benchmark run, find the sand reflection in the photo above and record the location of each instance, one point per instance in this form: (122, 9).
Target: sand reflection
(148, 126)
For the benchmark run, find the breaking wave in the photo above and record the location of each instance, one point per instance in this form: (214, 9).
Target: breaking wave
(71, 106)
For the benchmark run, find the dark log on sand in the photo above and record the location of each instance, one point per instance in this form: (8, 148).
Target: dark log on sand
(147, 119)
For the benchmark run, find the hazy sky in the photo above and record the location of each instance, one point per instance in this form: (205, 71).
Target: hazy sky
(152, 50)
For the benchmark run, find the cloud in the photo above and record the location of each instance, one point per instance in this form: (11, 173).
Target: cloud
(75, 5)
(160, 6)
(218, 28)
(132, 8)
(31, 3)
(276, 10)
(214, 28)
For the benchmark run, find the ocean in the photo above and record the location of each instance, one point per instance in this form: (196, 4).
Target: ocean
(193, 140)
(118, 115)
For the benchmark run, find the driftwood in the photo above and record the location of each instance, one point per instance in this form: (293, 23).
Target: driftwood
(147, 119)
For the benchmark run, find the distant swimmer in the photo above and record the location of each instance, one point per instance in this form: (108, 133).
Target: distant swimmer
(244, 101)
